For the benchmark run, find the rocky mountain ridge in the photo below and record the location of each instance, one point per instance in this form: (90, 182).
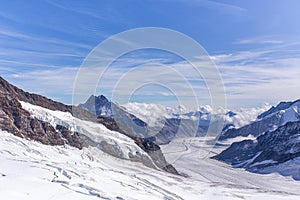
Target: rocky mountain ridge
(18, 121)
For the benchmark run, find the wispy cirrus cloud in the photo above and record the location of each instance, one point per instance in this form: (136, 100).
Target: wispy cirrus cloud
(262, 40)
(223, 7)
(262, 75)
(258, 41)
(26, 51)
(4, 32)
(107, 14)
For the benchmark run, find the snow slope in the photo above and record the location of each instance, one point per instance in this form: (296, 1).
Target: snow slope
(30, 170)
(291, 114)
(97, 132)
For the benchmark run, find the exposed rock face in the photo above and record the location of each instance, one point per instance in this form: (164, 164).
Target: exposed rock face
(155, 153)
(16, 120)
(269, 149)
(168, 132)
(98, 105)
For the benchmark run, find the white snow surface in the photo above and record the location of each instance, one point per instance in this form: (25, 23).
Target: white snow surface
(31, 170)
(291, 114)
(155, 114)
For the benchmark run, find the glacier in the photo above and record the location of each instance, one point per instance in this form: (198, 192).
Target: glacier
(30, 170)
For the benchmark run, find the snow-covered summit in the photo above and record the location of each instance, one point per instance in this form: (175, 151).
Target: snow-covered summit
(268, 121)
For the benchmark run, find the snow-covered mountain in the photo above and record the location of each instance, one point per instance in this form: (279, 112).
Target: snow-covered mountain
(274, 151)
(98, 105)
(281, 106)
(240, 124)
(111, 142)
(275, 147)
(102, 107)
(270, 120)
(34, 117)
(162, 133)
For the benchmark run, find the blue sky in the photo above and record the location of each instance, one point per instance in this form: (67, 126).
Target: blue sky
(255, 44)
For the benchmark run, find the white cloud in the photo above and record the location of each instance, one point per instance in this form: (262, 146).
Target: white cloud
(258, 41)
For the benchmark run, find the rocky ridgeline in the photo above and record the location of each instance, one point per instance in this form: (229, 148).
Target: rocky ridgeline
(16, 120)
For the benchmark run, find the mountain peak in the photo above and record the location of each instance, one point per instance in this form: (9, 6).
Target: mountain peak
(101, 98)
(96, 99)
(279, 107)
(98, 105)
